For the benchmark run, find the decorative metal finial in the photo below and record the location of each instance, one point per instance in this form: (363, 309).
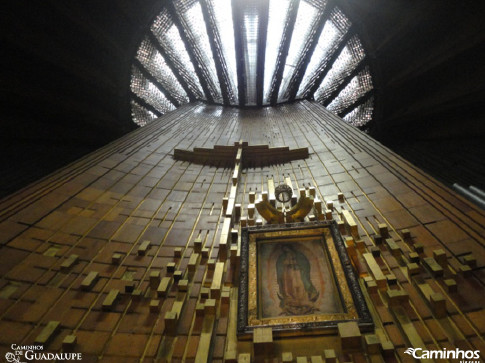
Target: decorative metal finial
(283, 193)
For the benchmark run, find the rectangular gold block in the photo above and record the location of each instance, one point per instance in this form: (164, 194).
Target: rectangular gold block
(263, 342)
(110, 299)
(163, 286)
(372, 343)
(435, 269)
(350, 222)
(183, 285)
(69, 262)
(244, 358)
(397, 297)
(170, 320)
(154, 306)
(210, 306)
(192, 265)
(198, 244)
(383, 231)
(89, 280)
(379, 277)
(440, 257)
(217, 280)
(438, 305)
(154, 279)
(116, 258)
(142, 250)
(287, 357)
(350, 337)
(47, 333)
(69, 342)
(393, 247)
(330, 356)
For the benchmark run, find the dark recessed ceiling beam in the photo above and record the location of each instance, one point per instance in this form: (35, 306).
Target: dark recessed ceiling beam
(360, 67)
(262, 37)
(145, 104)
(322, 73)
(238, 43)
(153, 40)
(283, 52)
(157, 84)
(216, 47)
(357, 103)
(302, 65)
(170, 6)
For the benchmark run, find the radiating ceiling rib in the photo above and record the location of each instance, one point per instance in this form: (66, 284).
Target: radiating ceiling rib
(278, 13)
(333, 31)
(347, 60)
(283, 53)
(153, 61)
(357, 88)
(145, 89)
(311, 44)
(140, 115)
(343, 83)
(165, 38)
(306, 23)
(217, 48)
(362, 100)
(173, 67)
(156, 83)
(252, 53)
(191, 17)
(323, 71)
(238, 44)
(361, 114)
(262, 40)
(145, 104)
(250, 20)
(189, 46)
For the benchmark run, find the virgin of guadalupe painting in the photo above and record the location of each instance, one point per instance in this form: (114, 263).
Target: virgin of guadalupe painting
(296, 279)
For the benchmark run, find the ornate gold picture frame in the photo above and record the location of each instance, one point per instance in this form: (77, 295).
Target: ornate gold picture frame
(297, 279)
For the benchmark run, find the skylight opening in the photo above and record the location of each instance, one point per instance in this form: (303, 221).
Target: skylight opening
(251, 30)
(154, 62)
(222, 10)
(318, 65)
(140, 115)
(361, 115)
(195, 27)
(306, 19)
(169, 37)
(148, 92)
(278, 13)
(357, 87)
(349, 58)
(333, 31)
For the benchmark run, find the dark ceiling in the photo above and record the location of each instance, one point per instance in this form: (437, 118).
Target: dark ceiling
(66, 69)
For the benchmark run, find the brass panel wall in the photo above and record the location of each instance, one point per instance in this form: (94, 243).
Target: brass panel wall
(96, 214)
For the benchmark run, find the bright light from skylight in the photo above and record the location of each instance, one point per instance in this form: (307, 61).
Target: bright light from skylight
(305, 21)
(278, 12)
(191, 54)
(223, 17)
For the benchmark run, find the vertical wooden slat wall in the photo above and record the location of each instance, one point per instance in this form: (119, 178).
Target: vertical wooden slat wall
(122, 247)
